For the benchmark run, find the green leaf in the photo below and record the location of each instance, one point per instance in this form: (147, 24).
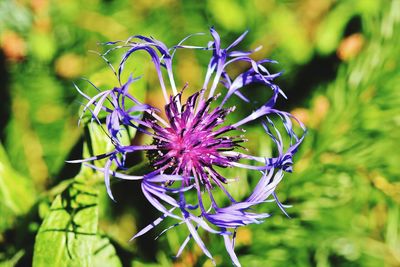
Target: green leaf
(67, 236)
(17, 193)
(104, 253)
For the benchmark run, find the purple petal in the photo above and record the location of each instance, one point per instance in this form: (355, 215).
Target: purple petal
(198, 240)
(151, 225)
(229, 248)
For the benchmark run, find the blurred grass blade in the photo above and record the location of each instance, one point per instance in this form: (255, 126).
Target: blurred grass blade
(17, 193)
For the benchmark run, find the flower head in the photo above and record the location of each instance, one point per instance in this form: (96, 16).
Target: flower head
(196, 139)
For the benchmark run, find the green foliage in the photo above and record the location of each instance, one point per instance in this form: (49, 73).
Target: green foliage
(346, 208)
(103, 253)
(15, 200)
(344, 189)
(68, 234)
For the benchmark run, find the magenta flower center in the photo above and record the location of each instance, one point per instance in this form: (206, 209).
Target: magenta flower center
(193, 143)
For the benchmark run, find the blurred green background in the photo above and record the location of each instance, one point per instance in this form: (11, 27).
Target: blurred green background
(342, 76)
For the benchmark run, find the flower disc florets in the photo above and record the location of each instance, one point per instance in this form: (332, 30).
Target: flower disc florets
(195, 139)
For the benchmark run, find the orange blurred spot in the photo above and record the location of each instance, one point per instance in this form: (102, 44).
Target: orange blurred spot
(320, 109)
(243, 236)
(39, 6)
(43, 25)
(314, 116)
(321, 105)
(302, 114)
(350, 46)
(186, 259)
(69, 66)
(13, 46)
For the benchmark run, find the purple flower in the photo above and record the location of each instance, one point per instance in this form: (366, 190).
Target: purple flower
(195, 139)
